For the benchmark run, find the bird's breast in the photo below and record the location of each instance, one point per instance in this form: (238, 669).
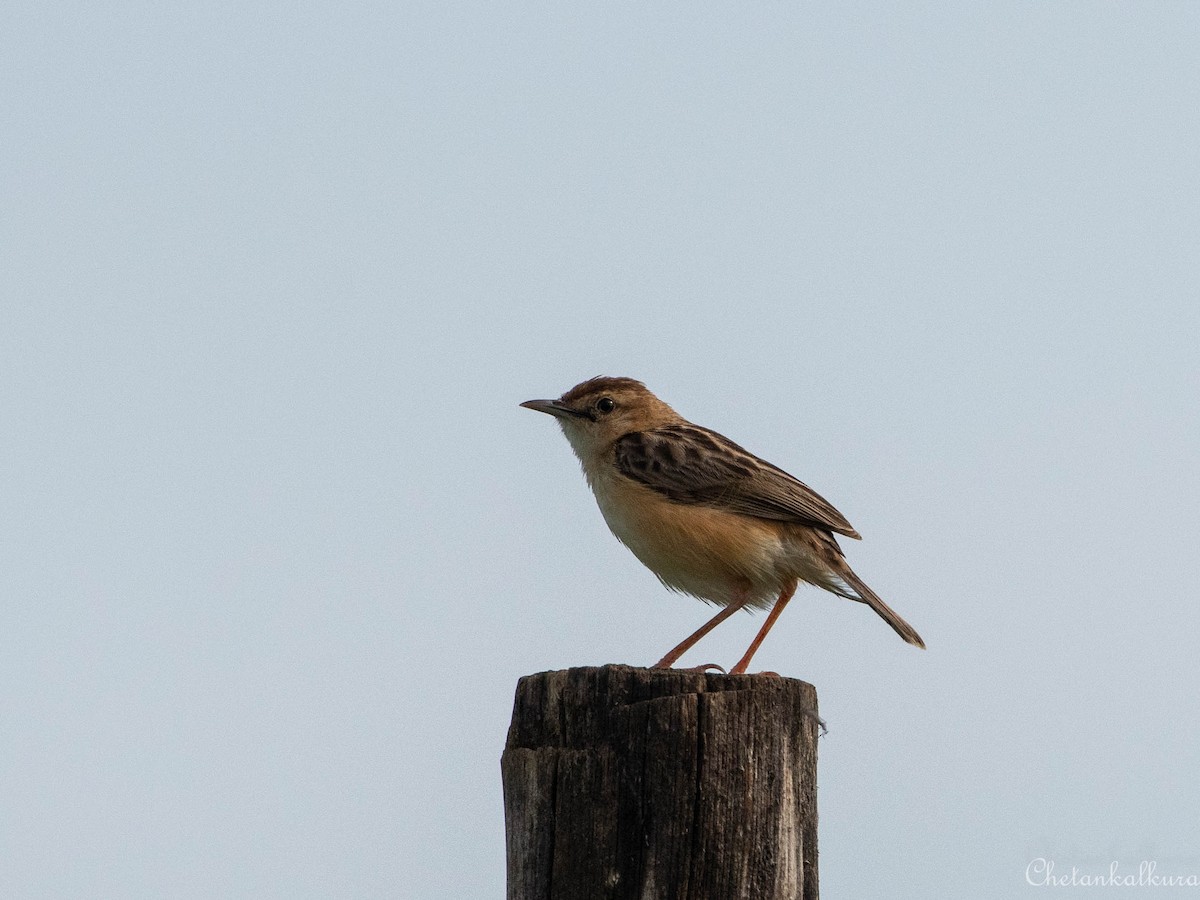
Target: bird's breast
(708, 552)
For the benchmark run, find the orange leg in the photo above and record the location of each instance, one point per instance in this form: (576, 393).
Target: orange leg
(669, 660)
(784, 597)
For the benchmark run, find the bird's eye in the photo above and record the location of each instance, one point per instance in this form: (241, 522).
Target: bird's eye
(605, 404)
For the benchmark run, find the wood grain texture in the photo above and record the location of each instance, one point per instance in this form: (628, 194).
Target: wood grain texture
(622, 782)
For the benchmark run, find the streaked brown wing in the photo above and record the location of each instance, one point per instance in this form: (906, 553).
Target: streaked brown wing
(690, 464)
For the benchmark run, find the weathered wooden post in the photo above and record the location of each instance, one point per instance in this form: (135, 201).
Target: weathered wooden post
(643, 783)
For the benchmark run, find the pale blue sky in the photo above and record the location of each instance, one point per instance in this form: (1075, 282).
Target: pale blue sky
(277, 540)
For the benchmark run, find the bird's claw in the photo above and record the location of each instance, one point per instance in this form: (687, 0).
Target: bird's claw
(704, 668)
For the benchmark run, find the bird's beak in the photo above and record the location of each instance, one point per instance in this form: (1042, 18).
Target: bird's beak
(556, 408)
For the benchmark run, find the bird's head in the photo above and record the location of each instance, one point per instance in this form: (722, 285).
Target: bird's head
(599, 411)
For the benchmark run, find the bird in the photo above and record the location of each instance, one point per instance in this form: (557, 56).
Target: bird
(705, 515)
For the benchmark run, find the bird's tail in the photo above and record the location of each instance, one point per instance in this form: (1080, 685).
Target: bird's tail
(869, 597)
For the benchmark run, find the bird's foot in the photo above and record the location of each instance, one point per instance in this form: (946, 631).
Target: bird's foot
(701, 669)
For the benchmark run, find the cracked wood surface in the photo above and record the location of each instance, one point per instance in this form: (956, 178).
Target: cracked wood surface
(623, 782)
